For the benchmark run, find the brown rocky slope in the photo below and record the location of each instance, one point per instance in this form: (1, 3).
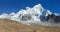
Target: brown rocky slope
(13, 26)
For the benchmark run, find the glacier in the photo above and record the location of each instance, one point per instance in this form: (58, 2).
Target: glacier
(31, 16)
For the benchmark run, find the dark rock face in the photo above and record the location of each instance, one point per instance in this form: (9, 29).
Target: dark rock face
(26, 17)
(44, 18)
(56, 19)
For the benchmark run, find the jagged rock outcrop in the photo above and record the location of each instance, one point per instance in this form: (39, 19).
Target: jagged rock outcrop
(51, 18)
(55, 18)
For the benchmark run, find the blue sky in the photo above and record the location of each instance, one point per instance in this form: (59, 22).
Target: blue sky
(8, 6)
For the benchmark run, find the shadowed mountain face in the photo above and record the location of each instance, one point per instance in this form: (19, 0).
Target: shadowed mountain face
(52, 18)
(55, 18)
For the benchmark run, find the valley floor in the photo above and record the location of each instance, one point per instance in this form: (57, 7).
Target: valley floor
(13, 26)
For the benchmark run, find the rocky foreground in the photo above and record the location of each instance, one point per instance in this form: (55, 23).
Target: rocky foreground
(13, 26)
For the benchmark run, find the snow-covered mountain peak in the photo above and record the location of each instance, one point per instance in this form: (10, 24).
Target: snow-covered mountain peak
(48, 12)
(39, 6)
(34, 12)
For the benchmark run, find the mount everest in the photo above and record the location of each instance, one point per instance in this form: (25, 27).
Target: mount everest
(36, 15)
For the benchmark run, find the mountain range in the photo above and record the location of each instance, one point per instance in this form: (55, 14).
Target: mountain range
(36, 15)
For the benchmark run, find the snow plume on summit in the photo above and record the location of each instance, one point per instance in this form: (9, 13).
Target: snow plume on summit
(30, 16)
